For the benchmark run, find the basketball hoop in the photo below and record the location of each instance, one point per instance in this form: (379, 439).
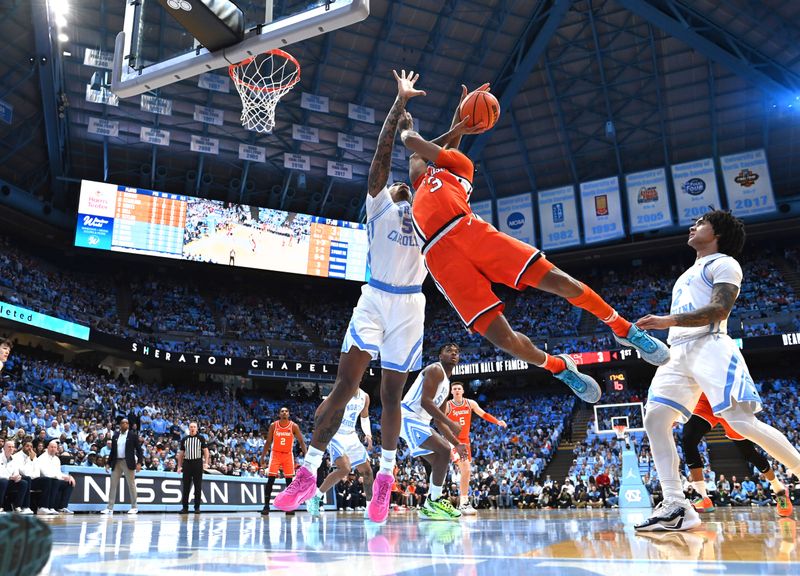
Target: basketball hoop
(619, 430)
(261, 81)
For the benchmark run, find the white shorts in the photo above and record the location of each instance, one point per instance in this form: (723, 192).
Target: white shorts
(389, 324)
(415, 432)
(710, 364)
(347, 445)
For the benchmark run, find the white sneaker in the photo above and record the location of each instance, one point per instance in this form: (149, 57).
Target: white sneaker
(64, 511)
(45, 512)
(133, 511)
(106, 511)
(671, 516)
(24, 511)
(467, 510)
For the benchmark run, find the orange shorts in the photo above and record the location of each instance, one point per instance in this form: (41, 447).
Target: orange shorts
(703, 409)
(281, 461)
(455, 456)
(469, 258)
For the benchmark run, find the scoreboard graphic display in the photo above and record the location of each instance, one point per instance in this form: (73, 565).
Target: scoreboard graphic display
(148, 222)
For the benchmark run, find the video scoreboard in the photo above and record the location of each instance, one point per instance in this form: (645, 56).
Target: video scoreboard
(153, 223)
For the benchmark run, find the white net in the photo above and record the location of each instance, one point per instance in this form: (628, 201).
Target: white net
(261, 82)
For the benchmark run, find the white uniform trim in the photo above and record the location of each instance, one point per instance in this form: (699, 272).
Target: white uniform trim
(390, 315)
(693, 291)
(705, 359)
(412, 401)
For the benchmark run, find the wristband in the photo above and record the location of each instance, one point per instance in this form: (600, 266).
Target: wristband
(366, 426)
(489, 418)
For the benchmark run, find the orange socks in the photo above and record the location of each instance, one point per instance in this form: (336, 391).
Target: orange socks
(553, 363)
(591, 302)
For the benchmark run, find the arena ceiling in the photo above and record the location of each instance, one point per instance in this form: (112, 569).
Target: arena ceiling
(589, 89)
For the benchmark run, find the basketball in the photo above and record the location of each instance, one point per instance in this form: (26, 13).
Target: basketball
(482, 108)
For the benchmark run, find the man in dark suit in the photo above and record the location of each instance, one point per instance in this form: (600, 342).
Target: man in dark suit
(126, 458)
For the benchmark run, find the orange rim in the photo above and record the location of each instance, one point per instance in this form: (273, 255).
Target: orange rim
(276, 52)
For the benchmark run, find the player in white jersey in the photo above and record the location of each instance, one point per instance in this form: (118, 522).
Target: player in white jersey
(347, 451)
(703, 359)
(388, 320)
(424, 402)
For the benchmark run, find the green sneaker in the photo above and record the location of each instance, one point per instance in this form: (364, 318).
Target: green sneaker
(440, 509)
(312, 506)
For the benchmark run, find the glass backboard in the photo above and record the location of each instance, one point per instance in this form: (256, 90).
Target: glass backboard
(154, 50)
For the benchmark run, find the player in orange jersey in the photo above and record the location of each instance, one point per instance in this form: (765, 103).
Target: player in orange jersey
(280, 446)
(465, 255)
(700, 424)
(460, 410)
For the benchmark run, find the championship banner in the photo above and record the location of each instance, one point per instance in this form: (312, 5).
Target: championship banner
(103, 127)
(296, 161)
(648, 200)
(313, 102)
(747, 183)
(204, 144)
(695, 186)
(215, 82)
(154, 136)
(349, 142)
(340, 170)
(361, 113)
(515, 217)
(162, 106)
(162, 491)
(252, 153)
(209, 115)
(558, 218)
(305, 133)
(484, 210)
(602, 213)
(98, 58)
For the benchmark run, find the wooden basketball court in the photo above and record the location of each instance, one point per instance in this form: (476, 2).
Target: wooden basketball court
(558, 543)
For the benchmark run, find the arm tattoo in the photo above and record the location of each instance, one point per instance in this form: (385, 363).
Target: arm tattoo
(382, 161)
(723, 296)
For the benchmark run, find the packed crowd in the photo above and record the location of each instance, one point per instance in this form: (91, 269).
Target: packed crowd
(505, 459)
(598, 458)
(43, 398)
(56, 290)
(184, 316)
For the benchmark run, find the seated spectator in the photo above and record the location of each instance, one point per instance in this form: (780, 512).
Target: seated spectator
(60, 484)
(564, 498)
(739, 496)
(13, 484)
(761, 498)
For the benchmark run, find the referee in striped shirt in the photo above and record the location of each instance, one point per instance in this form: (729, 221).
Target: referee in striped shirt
(192, 458)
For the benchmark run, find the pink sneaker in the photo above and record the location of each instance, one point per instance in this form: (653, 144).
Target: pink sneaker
(381, 497)
(303, 487)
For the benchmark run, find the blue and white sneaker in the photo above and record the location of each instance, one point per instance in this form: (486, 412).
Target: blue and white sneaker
(585, 387)
(652, 349)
